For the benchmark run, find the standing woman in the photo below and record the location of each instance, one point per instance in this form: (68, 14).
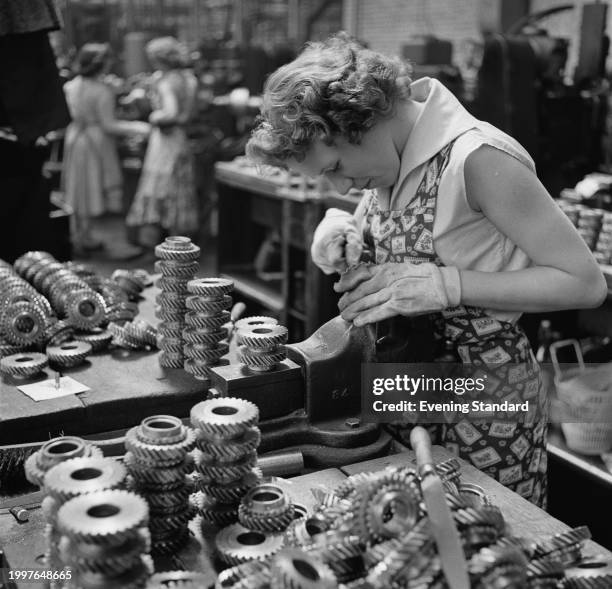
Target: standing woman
(91, 176)
(460, 230)
(165, 201)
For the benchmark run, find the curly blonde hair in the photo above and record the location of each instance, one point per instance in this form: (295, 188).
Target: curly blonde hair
(333, 88)
(167, 51)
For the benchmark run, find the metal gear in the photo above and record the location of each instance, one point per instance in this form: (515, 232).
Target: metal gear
(161, 429)
(79, 476)
(171, 522)
(301, 532)
(23, 324)
(173, 301)
(225, 417)
(254, 321)
(199, 369)
(107, 560)
(253, 574)
(23, 364)
(177, 248)
(229, 492)
(58, 332)
(122, 338)
(171, 329)
(266, 508)
(172, 284)
(150, 477)
(204, 336)
(236, 544)
(85, 308)
(7, 349)
(263, 337)
(210, 286)
(171, 360)
(171, 543)
(214, 512)
(98, 338)
(205, 351)
(265, 523)
(595, 582)
(386, 507)
(208, 306)
(177, 580)
(141, 331)
(68, 354)
(553, 546)
(174, 269)
(160, 453)
(543, 572)
(489, 564)
(224, 472)
(200, 321)
(133, 578)
(293, 568)
(224, 449)
(260, 361)
(103, 517)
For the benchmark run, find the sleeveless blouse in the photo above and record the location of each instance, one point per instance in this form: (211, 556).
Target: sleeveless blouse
(463, 237)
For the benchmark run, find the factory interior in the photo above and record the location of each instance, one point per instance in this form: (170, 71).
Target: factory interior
(302, 294)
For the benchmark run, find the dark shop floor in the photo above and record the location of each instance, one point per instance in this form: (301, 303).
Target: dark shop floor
(118, 252)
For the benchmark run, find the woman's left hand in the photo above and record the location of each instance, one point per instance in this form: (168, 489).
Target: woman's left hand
(376, 292)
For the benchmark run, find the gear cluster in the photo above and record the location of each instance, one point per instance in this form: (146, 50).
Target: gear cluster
(227, 438)
(177, 263)
(105, 540)
(261, 346)
(204, 337)
(158, 461)
(373, 531)
(137, 334)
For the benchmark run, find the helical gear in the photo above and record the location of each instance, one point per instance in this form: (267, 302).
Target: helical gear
(107, 560)
(293, 568)
(122, 338)
(178, 249)
(171, 360)
(594, 582)
(260, 361)
(236, 544)
(68, 354)
(553, 547)
(85, 308)
(133, 578)
(254, 573)
(207, 352)
(254, 321)
(396, 495)
(226, 417)
(160, 453)
(58, 332)
(210, 287)
(225, 472)
(79, 476)
(7, 349)
(177, 580)
(232, 449)
(54, 452)
(208, 306)
(141, 331)
(184, 271)
(23, 364)
(172, 284)
(171, 329)
(229, 492)
(200, 321)
(199, 369)
(23, 324)
(98, 338)
(266, 508)
(263, 337)
(214, 512)
(162, 522)
(104, 517)
(301, 532)
(489, 564)
(204, 336)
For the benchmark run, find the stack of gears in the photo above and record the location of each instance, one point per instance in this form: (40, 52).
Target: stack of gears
(209, 303)
(261, 345)
(177, 264)
(594, 226)
(373, 532)
(227, 438)
(105, 540)
(50, 455)
(158, 461)
(70, 295)
(72, 478)
(24, 313)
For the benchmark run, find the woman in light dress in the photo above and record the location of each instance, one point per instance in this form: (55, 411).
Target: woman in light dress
(165, 201)
(91, 178)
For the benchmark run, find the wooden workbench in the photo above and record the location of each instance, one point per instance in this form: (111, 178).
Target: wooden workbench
(24, 544)
(125, 387)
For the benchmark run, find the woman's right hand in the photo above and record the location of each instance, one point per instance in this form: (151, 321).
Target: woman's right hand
(337, 243)
(142, 128)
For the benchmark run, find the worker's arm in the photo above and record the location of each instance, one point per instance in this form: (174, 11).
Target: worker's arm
(564, 274)
(168, 113)
(106, 114)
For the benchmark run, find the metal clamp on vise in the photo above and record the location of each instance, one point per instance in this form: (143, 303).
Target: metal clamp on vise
(311, 402)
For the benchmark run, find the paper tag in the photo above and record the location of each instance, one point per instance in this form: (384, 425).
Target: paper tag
(46, 390)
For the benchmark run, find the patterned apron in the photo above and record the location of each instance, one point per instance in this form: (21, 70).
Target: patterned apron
(513, 453)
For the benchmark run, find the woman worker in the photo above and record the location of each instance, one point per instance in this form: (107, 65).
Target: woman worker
(459, 226)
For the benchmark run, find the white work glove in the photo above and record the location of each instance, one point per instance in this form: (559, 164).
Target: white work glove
(337, 243)
(376, 292)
